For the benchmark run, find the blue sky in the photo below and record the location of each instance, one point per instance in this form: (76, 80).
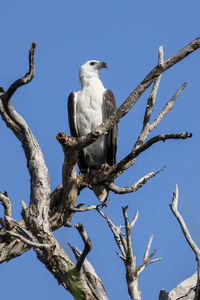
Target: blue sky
(126, 35)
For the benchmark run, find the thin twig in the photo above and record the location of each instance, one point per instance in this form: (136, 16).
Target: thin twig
(160, 56)
(146, 254)
(132, 224)
(167, 108)
(27, 77)
(5, 201)
(147, 257)
(141, 267)
(118, 235)
(87, 208)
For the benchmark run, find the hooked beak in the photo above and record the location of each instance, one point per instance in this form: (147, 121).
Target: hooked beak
(103, 65)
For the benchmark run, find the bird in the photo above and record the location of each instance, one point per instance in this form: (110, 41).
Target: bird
(87, 109)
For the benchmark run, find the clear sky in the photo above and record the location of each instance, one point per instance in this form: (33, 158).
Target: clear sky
(125, 34)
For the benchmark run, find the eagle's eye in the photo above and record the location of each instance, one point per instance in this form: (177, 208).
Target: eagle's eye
(92, 63)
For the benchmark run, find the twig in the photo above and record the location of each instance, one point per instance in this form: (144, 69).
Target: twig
(146, 254)
(160, 56)
(5, 201)
(118, 235)
(87, 208)
(147, 258)
(146, 263)
(132, 224)
(133, 188)
(87, 243)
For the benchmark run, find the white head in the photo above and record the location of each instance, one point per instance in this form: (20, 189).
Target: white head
(90, 70)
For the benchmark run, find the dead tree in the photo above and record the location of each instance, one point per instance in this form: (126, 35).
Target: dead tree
(48, 211)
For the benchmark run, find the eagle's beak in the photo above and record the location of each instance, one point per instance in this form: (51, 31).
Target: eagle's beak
(103, 65)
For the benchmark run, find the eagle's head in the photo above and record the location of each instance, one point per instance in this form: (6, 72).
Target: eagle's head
(91, 68)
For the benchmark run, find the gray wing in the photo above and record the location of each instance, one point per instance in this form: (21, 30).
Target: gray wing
(72, 114)
(74, 129)
(111, 137)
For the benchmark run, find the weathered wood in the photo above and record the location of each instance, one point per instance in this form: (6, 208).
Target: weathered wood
(48, 211)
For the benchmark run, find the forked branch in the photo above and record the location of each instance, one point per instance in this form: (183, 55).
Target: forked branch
(124, 244)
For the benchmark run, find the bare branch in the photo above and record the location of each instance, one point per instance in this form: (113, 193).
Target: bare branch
(23, 239)
(69, 177)
(162, 137)
(127, 161)
(88, 245)
(174, 208)
(87, 208)
(195, 248)
(152, 97)
(167, 107)
(129, 252)
(27, 77)
(133, 188)
(40, 189)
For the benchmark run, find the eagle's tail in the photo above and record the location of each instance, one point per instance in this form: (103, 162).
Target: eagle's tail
(101, 192)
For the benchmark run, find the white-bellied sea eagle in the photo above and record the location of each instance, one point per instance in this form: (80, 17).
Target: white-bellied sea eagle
(87, 109)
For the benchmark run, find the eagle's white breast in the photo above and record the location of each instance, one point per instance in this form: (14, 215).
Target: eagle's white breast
(90, 114)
